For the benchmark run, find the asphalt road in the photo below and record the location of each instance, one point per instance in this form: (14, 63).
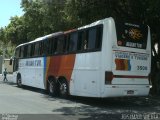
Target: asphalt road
(29, 103)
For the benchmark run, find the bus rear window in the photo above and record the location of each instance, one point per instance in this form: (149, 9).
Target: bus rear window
(131, 35)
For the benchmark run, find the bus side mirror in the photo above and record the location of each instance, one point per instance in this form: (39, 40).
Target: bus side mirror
(10, 62)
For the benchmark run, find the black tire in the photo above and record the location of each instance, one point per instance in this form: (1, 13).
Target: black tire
(19, 81)
(63, 88)
(52, 88)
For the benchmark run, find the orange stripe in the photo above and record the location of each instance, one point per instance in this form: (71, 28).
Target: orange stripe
(47, 68)
(61, 66)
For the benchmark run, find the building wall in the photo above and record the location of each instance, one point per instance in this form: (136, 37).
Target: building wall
(6, 65)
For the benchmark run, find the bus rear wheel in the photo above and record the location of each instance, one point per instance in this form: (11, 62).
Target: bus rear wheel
(63, 89)
(52, 88)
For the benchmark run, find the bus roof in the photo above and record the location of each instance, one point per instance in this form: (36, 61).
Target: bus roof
(95, 23)
(42, 38)
(69, 31)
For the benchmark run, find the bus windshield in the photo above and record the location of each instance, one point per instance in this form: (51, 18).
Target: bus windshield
(131, 35)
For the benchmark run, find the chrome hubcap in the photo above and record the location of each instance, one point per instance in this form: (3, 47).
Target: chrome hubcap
(19, 81)
(51, 88)
(63, 88)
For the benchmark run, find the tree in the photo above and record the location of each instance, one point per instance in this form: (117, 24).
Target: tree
(43, 17)
(16, 31)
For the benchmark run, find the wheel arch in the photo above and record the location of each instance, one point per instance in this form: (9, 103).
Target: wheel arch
(60, 78)
(18, 75)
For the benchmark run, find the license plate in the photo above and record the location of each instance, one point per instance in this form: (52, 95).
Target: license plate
(130, 92)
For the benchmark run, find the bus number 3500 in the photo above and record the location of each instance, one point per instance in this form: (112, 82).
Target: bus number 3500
(142, 68)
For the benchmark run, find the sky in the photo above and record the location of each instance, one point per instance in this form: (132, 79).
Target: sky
(9, 8)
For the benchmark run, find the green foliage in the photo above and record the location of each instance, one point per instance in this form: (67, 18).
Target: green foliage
(16, 31)
(81, 12)
(43, 17)
(2, 34)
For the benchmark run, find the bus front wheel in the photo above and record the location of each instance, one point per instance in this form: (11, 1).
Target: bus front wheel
(19, 81)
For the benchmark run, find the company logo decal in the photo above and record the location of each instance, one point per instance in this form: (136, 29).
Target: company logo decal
(135, 34)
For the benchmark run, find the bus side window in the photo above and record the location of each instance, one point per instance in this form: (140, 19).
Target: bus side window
(41, 48)
(25, 50)
(83, 40)
(66, 43)
(92, 38)
(79, 42)
(37, 50)
(17, 52)
(60, 44)
(55, 45)
(46, 47)
(29, 50)
(49, 47)
(99, 33)
(73, 42)
(19, 55)
(22, 51)
(32, 49)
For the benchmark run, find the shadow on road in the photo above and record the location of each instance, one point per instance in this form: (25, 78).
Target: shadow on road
(93, 108)
(110, 106)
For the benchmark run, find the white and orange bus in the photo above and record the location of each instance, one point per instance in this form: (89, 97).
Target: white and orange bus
(107, 58)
